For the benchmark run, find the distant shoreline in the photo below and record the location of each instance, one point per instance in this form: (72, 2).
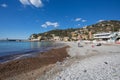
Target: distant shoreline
(14, 40)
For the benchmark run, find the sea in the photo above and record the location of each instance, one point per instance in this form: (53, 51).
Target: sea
(10, 50)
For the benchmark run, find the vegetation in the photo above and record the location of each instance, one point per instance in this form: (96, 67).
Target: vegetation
(56, 32)
(104, 26)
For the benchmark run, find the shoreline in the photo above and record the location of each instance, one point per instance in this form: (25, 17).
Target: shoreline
(28, 52)
(73, 62)
(17, 67)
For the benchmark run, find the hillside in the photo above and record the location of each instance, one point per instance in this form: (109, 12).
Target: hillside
(104, 26)
(56, 32)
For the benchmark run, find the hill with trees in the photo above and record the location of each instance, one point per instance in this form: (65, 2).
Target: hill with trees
(103, 26)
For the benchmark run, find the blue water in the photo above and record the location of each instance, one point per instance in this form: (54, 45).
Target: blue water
(8, 48)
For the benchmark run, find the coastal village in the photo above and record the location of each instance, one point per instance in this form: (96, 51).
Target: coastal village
(70, 61)
(59, 39)
(106, 31)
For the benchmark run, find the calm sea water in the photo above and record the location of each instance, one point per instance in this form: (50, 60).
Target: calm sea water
(8, 48)
(17, 50)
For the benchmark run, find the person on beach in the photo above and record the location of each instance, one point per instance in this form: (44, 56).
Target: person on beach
(79, 41)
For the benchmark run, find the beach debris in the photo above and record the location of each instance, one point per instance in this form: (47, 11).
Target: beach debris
(92, 46)
(98, 44)
(79, 45)
(59, 63)
(105, 62)
(85, 70)
(60, 77)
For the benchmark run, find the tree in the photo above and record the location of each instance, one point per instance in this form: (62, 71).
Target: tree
(33, 36)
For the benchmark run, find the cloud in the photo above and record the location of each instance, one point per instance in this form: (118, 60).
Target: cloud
(48, 23)
(100, 20)
(36, 3)
(44, 25)
(4, 5)
(78, 19)
(25, 2)
(83, 20)
(78, 24)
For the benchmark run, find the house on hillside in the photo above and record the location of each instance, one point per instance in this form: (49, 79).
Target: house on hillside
(74, 34)
(36, 39)
(66, 38)
(90, 35)
(56, 38)
(74, 38)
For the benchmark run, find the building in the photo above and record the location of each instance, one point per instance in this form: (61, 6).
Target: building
(90, 35)
(108, 37)
(56, 38)
(66, 38)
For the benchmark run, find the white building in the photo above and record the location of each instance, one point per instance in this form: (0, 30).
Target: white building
(108, 37)
(56, 38)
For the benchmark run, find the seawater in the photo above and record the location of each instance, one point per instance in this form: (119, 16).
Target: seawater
(14, 50)
(8, 48)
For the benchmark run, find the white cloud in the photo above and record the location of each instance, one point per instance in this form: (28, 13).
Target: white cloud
(36, 3)
(100, 20)
(48, 23)
(84, 20)
(44, 25)
(78, 25)
(78, 19)
(4, 5)
(25, 2)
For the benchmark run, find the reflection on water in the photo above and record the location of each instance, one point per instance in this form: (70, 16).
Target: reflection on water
(35, 45)
(40, 44)
(7, 48)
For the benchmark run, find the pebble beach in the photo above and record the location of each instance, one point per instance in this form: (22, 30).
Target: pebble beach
(89, 62)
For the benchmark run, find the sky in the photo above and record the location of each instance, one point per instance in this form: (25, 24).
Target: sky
(21, 18)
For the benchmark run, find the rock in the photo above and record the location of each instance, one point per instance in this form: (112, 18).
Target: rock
(105, 62)
(85, 70)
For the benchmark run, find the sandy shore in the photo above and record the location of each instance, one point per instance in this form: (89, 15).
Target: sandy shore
(30, 68)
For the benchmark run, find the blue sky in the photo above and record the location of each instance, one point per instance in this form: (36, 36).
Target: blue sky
(21, 18)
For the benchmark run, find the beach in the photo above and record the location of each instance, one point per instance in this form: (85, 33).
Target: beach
(89, 62)
(23, 69)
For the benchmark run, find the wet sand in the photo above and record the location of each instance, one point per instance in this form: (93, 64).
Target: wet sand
(41, 62)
